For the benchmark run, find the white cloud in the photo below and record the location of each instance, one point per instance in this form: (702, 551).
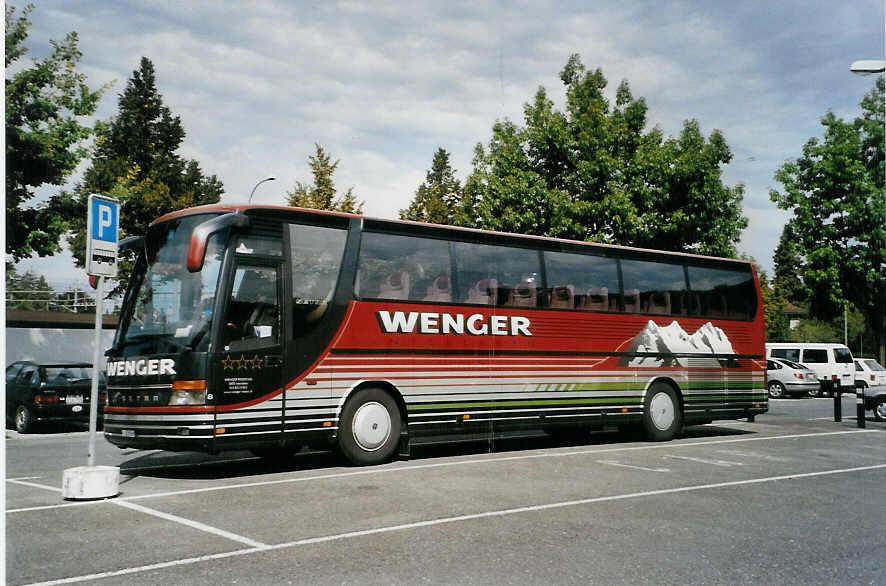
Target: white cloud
(381, 86)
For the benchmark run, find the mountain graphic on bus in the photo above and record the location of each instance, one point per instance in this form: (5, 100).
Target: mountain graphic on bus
(671, 345)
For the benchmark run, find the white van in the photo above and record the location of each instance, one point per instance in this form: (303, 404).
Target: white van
(832, 363)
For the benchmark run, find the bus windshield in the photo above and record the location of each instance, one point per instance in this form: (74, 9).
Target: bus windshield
(169, 308)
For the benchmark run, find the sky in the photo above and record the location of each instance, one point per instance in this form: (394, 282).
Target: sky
(382, 85)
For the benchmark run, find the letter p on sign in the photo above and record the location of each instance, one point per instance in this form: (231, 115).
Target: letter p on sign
(101, 245)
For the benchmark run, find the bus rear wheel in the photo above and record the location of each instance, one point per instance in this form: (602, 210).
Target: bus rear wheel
(370, 427)
(662, 415)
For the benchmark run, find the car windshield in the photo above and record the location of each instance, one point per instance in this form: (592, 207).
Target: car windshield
(794, 365)
(169, 308)
(65, 375)
(842, 355)
(873, 364)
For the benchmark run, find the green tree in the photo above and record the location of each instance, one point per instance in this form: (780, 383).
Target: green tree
(437, 199)
(777, 323)
(815, 330)
(322, 195)
(592, 173)
(788, 263)
(135, 159)
(835, 191)
(45, 107)
(27, 291)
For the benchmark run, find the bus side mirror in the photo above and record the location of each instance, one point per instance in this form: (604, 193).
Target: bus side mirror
(200, 236)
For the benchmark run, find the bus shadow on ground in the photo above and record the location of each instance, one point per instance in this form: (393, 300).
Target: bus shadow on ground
(201, 466)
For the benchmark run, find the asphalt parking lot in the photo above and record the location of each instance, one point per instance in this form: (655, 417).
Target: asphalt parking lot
(792, 498)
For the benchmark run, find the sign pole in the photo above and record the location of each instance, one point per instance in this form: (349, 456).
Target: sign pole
(103, 226)
(96, 357)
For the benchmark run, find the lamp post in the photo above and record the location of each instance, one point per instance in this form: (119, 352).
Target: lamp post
(867, 67)
(271, 178)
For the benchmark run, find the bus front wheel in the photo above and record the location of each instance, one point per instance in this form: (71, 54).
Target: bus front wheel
(370, 427)
(662, 415)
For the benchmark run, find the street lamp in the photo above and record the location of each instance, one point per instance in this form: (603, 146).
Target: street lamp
(271, 178)
(867, 67)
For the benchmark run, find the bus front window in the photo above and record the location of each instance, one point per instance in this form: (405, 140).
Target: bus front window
(171, 308)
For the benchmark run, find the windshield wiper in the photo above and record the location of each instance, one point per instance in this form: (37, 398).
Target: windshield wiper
(145, 336)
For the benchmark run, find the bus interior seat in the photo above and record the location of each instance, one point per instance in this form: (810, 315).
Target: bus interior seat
(395, 286)
(563, 296)
(658, 302)
(439, 290)
(738, 309)
(523, 295)
(597, 298)
(484, 292)
(632, 300)
(716, 305)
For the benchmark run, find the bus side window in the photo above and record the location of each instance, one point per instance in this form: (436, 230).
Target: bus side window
(401, 268)
(651, 287)
(723, 293)
(583, 281)
(497, 275)
(315, 255)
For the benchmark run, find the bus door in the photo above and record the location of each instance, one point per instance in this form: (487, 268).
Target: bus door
(249, 362)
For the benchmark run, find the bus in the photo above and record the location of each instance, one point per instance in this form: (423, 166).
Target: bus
(273, 328)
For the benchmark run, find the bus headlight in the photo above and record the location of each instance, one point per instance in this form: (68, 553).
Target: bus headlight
(188, 392)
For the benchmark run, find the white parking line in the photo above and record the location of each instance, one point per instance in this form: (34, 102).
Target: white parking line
(722, 463)
(447, 520)
(33, 484)
(409, 468)
(620, 465)
(166, 516)
(193, 524)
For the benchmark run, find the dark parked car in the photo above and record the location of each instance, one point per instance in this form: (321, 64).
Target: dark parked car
(871, 377)
(49, 392)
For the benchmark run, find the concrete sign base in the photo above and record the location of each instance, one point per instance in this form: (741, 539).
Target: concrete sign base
(90, 482)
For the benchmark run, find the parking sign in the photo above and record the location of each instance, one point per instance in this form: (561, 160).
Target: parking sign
(103, 221)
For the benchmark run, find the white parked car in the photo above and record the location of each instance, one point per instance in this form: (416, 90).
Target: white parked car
(784, 377)
(871, 377)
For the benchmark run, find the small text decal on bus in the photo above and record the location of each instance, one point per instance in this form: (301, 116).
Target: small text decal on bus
(141, 367)
(401, 322)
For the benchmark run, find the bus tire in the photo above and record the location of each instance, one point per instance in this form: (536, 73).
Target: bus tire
(662, 414)
(370, 427)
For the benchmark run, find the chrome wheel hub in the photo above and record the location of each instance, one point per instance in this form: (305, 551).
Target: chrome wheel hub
(661, 409)
(371, 426)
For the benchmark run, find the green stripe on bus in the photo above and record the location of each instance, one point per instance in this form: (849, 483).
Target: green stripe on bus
(601, 386)
(531, 403)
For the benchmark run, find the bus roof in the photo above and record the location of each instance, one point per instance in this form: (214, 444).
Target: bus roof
(244, 208)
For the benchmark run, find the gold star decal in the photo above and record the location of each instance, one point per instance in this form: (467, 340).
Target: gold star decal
(256, 362)
(227, 363)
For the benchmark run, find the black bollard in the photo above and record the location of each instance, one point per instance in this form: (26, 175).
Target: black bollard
(838, 404)
(859, 406)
